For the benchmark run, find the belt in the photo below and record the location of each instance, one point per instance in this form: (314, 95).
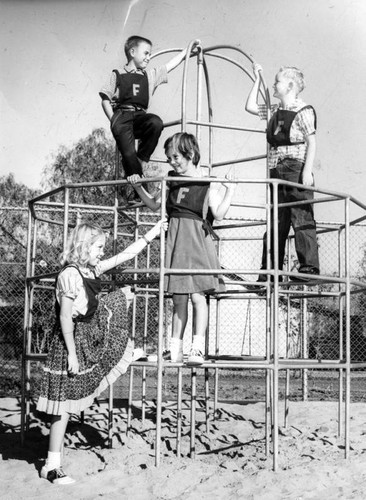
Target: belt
(131, 107)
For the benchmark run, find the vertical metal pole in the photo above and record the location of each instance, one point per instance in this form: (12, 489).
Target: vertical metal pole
(199, 93)
(160, 331)
(269, 323)
(288, 327)
(129, 403)
(217, 352)
(206, 371)
(348, 328)
(110, 416)
(146, 317)
(210, 115)
(30, 325)
(114, 246)
(184, 90)
(275, 329)
(287, 386)
(26, 326)
(179, 410)
(193, 411)
(304, 337)
(133, 333)
(340, 336)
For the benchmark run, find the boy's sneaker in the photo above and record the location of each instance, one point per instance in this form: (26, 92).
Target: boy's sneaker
(56, 476)
(195, 357)
(310, 271)
(167, 356)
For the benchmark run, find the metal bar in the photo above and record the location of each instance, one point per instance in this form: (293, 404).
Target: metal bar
(305, 349)
(206, 371)
(348, 328)
(217, 352)
(199, 93)
(193, 412)
(288, 326)
(179, 410)
(340, 336)
(110, 416)
(275, 331)
(26, 325)
(160, 331)
(210, 115)
(130, 401)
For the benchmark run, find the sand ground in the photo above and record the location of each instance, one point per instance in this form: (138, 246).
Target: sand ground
(230, 461)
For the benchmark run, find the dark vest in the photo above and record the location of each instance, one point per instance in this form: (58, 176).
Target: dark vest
(279, 126)
(92, 287)
(133, 89)
(187, 199)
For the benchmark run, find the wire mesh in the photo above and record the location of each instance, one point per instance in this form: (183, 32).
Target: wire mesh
(241, 327)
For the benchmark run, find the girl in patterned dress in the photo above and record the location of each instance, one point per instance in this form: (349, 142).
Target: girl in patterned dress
(189, 241)
(91, 346)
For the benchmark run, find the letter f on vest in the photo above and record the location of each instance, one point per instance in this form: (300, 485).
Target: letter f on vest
(182, 194)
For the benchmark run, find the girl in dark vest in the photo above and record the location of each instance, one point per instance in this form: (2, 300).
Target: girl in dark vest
(189, 241)
(91, 345)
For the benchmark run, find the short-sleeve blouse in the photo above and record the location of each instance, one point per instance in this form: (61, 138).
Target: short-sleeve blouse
(70, 284)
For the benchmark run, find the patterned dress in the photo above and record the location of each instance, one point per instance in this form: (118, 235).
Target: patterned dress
(103, 348)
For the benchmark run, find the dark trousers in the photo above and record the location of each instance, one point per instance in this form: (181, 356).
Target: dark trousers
(126, 127)
(301, 218)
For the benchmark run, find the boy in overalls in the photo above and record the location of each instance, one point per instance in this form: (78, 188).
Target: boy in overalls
(125, 99)
(291, 136)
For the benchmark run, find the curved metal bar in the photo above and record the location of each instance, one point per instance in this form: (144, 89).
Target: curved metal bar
(235, 63)
(210, 113)
(184, 86)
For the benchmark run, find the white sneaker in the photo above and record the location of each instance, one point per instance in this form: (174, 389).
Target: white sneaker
(56, 476)
(195, 357)
(178, 358)
(137, 354)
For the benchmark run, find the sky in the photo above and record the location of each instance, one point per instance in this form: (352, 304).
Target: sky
(56, 55)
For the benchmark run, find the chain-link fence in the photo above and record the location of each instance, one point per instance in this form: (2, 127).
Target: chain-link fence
(13, 233)
(241, 325)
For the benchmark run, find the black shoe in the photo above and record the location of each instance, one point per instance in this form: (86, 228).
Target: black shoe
(259, 286)
(167, 355)
(56, 476)
(310, 271)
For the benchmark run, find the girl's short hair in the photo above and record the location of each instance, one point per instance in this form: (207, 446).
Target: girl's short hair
(132, 42)
(79, 242)
(186, 144)
(295, 75)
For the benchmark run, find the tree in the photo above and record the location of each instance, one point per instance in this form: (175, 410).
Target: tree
(15, 194)
(13, 222)
(90, 159)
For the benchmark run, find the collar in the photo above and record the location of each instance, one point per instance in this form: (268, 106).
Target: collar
(293, 106)
(138, 71)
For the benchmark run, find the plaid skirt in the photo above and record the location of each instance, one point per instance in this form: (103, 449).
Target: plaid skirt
(104, 351)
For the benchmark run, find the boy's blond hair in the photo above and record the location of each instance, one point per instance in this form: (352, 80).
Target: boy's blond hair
(295, 75)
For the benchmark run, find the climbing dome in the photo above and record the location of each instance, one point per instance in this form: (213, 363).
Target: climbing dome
(285, 330)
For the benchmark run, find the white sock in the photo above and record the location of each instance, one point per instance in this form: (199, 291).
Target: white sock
(176, 347)
(53, 460)
(199, 343)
